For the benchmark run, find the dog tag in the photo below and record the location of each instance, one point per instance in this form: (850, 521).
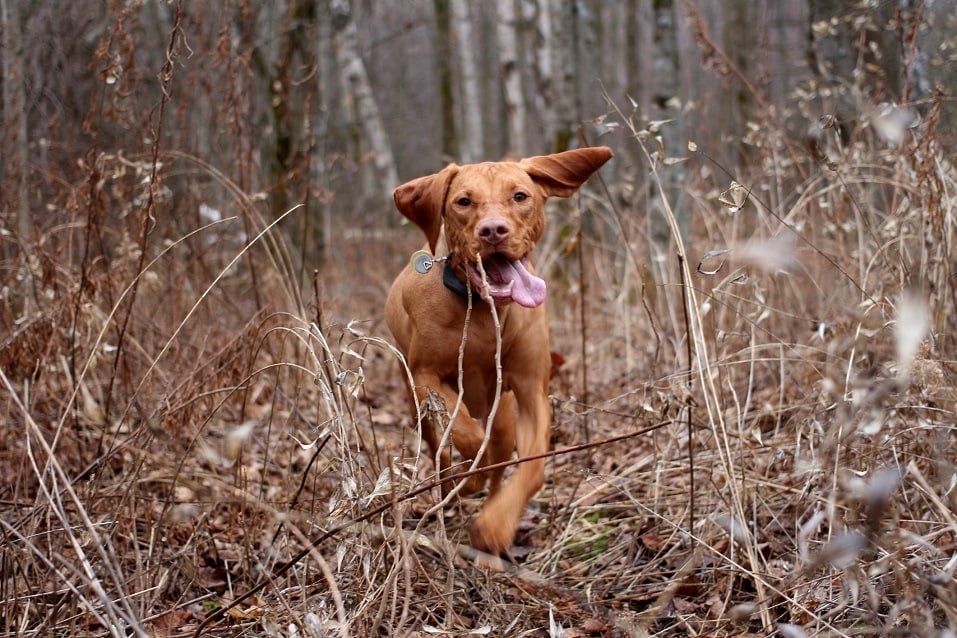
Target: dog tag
(422, 262)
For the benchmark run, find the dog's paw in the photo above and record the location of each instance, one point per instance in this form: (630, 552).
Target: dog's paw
(491, 538)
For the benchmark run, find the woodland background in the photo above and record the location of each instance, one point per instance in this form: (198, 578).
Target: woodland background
(203, 425)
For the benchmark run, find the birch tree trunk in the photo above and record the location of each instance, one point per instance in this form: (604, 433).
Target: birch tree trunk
(470, 139)
(510, 64)
(361, 108)
(544, 68)
(564, 52)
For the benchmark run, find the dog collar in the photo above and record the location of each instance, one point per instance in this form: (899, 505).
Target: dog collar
(456, 285)
(422, 262)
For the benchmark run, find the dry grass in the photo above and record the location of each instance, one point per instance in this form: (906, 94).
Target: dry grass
(754, 425)
(226, 452)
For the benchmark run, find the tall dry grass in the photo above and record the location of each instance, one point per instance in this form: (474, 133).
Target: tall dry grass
(754, 423)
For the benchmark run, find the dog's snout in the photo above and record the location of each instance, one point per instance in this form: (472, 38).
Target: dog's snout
(493, 231)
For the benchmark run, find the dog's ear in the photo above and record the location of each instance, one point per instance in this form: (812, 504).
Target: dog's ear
(561, 174)
(423, 201)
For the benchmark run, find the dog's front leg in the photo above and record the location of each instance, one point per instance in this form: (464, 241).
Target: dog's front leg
(466, 435)
(494, 529)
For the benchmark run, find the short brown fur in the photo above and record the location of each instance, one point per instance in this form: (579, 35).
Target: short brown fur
(468, 213)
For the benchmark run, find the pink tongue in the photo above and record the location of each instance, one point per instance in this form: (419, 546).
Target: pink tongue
(527, 289)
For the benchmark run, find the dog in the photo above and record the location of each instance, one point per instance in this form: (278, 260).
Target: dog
(482, 222)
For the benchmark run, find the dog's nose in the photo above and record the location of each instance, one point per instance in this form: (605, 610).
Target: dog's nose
(493, 231)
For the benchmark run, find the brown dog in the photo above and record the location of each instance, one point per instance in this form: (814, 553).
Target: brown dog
(492, 213)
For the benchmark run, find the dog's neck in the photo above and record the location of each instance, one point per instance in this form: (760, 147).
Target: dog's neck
(449, 277)
(458, 286)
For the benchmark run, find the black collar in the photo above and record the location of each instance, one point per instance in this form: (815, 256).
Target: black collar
(456, 285)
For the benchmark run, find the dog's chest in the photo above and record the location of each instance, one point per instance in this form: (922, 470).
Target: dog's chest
(484, 341)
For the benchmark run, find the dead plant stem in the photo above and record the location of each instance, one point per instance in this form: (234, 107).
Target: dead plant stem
(583, 318)
(148, 214)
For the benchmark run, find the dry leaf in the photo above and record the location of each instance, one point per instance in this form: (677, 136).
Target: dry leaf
(734, 198)
(713, 269)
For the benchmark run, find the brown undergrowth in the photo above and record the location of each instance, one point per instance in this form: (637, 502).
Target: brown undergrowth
(754, 421)
(790, 469)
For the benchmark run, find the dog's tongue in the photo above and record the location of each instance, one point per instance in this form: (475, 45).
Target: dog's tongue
(527, 289)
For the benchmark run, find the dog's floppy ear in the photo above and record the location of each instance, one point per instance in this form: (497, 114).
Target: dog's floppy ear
(423, 201)
(560, 174)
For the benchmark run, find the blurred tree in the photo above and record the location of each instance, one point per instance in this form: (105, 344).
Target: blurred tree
(291, 98)
(443, 68)
(539, 20)
(592, 68)
(511, 68)
(469, 93)
(317, 100)
(666, 107)
(564, 14)
(14, 150)
(852, 44)
(739, 97)
(370, 146)
(640, 32)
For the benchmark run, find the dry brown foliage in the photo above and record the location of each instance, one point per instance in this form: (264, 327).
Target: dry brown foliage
(754, 424)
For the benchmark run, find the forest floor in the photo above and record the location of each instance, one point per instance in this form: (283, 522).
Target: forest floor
(753, 433)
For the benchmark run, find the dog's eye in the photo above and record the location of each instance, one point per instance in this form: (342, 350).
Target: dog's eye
(463, 201)
(520, 197)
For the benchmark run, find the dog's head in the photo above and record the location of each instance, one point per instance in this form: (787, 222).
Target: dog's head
(494, 213)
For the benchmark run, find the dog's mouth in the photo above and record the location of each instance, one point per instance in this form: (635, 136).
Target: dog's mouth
(507, 280)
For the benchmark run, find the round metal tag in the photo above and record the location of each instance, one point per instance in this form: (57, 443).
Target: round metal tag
(421, 262)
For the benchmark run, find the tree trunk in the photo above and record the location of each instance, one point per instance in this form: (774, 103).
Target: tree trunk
(589, 65)
(361, 108)
(544, 69)
(443, 64)
(736, 104)
(292, 100)
(14, 137)
(564, 51)
(510, 64)
(639, 75)
(470, 146)
(666, 105)
(326, 75)
(665, 79)
(830, 47)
